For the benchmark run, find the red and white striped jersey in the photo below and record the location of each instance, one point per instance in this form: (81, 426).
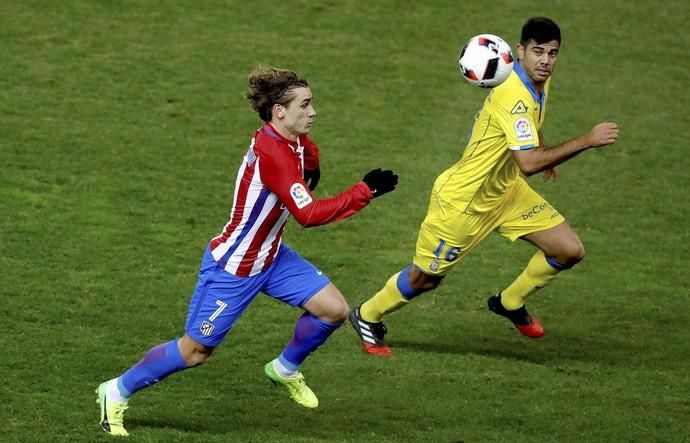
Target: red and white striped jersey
(269, 187)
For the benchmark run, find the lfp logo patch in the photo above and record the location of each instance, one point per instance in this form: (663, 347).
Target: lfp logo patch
(523, 129)
(300, 195)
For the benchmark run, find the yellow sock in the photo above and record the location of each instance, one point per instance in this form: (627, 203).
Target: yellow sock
(388, 299)
(536, 275)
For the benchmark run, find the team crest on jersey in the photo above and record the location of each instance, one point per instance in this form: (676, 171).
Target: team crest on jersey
(206, 328)
(523, 129)
(300, 195)
(519, 108)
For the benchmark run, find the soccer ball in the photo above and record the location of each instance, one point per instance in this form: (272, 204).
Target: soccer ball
(486, 60)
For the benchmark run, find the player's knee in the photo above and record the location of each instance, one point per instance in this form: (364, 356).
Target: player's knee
(198, 356)
(337, 312)
(428, 285)
(573, 254)
(193, 352)
(422, 282)
(576, 252)
(340, 314)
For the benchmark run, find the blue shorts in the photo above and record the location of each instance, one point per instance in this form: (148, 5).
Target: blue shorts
(220, 298)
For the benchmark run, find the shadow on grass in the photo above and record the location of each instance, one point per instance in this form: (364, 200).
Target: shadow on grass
(500, 348)
(286, 426)
(177, 424)
(269, 418)
(554, 348)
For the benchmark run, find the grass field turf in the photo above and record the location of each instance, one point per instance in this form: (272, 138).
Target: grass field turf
(122, 125)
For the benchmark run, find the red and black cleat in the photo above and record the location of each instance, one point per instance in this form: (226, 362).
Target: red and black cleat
(383, 351)
(372, 334)
(526, 323)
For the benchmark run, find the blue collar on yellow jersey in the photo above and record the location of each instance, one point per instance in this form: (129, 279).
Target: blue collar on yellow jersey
(517, 67)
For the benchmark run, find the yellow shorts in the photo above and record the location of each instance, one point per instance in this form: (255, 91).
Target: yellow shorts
(447, 234)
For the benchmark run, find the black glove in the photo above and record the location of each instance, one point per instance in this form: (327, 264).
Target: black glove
(312, 177)
(380, 181)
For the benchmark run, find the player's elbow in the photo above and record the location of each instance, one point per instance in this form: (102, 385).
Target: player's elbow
(309, 224)
(304, 219)
(529, 161)
(529, 169)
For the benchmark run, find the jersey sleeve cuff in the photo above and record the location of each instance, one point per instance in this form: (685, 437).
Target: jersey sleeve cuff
(522, 148)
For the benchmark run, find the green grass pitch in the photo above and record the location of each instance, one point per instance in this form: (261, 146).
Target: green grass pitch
(122, 124)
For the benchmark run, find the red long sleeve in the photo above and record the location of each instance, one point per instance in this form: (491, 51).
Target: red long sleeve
(280, 168)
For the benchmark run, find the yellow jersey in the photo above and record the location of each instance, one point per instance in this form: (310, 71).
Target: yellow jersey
(510, 119)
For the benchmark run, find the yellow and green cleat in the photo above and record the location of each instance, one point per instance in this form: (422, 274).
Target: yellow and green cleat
(112, 414)
(298, 389)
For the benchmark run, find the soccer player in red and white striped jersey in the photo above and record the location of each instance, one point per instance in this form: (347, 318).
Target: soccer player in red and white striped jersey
(278, 172)
(269, 187)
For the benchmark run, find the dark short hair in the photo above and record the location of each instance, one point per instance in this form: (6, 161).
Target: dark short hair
(268, 86)
(541, 30)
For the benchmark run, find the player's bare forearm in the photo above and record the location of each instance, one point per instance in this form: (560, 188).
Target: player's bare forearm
(541, 158)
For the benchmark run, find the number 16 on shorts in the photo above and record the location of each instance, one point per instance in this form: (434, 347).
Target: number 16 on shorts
(444, 252)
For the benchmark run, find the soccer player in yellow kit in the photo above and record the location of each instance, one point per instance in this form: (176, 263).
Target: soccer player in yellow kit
(485, 192)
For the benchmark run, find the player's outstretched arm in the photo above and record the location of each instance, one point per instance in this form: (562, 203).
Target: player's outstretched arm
(279, 172)
(541, 158)
(317, 212)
